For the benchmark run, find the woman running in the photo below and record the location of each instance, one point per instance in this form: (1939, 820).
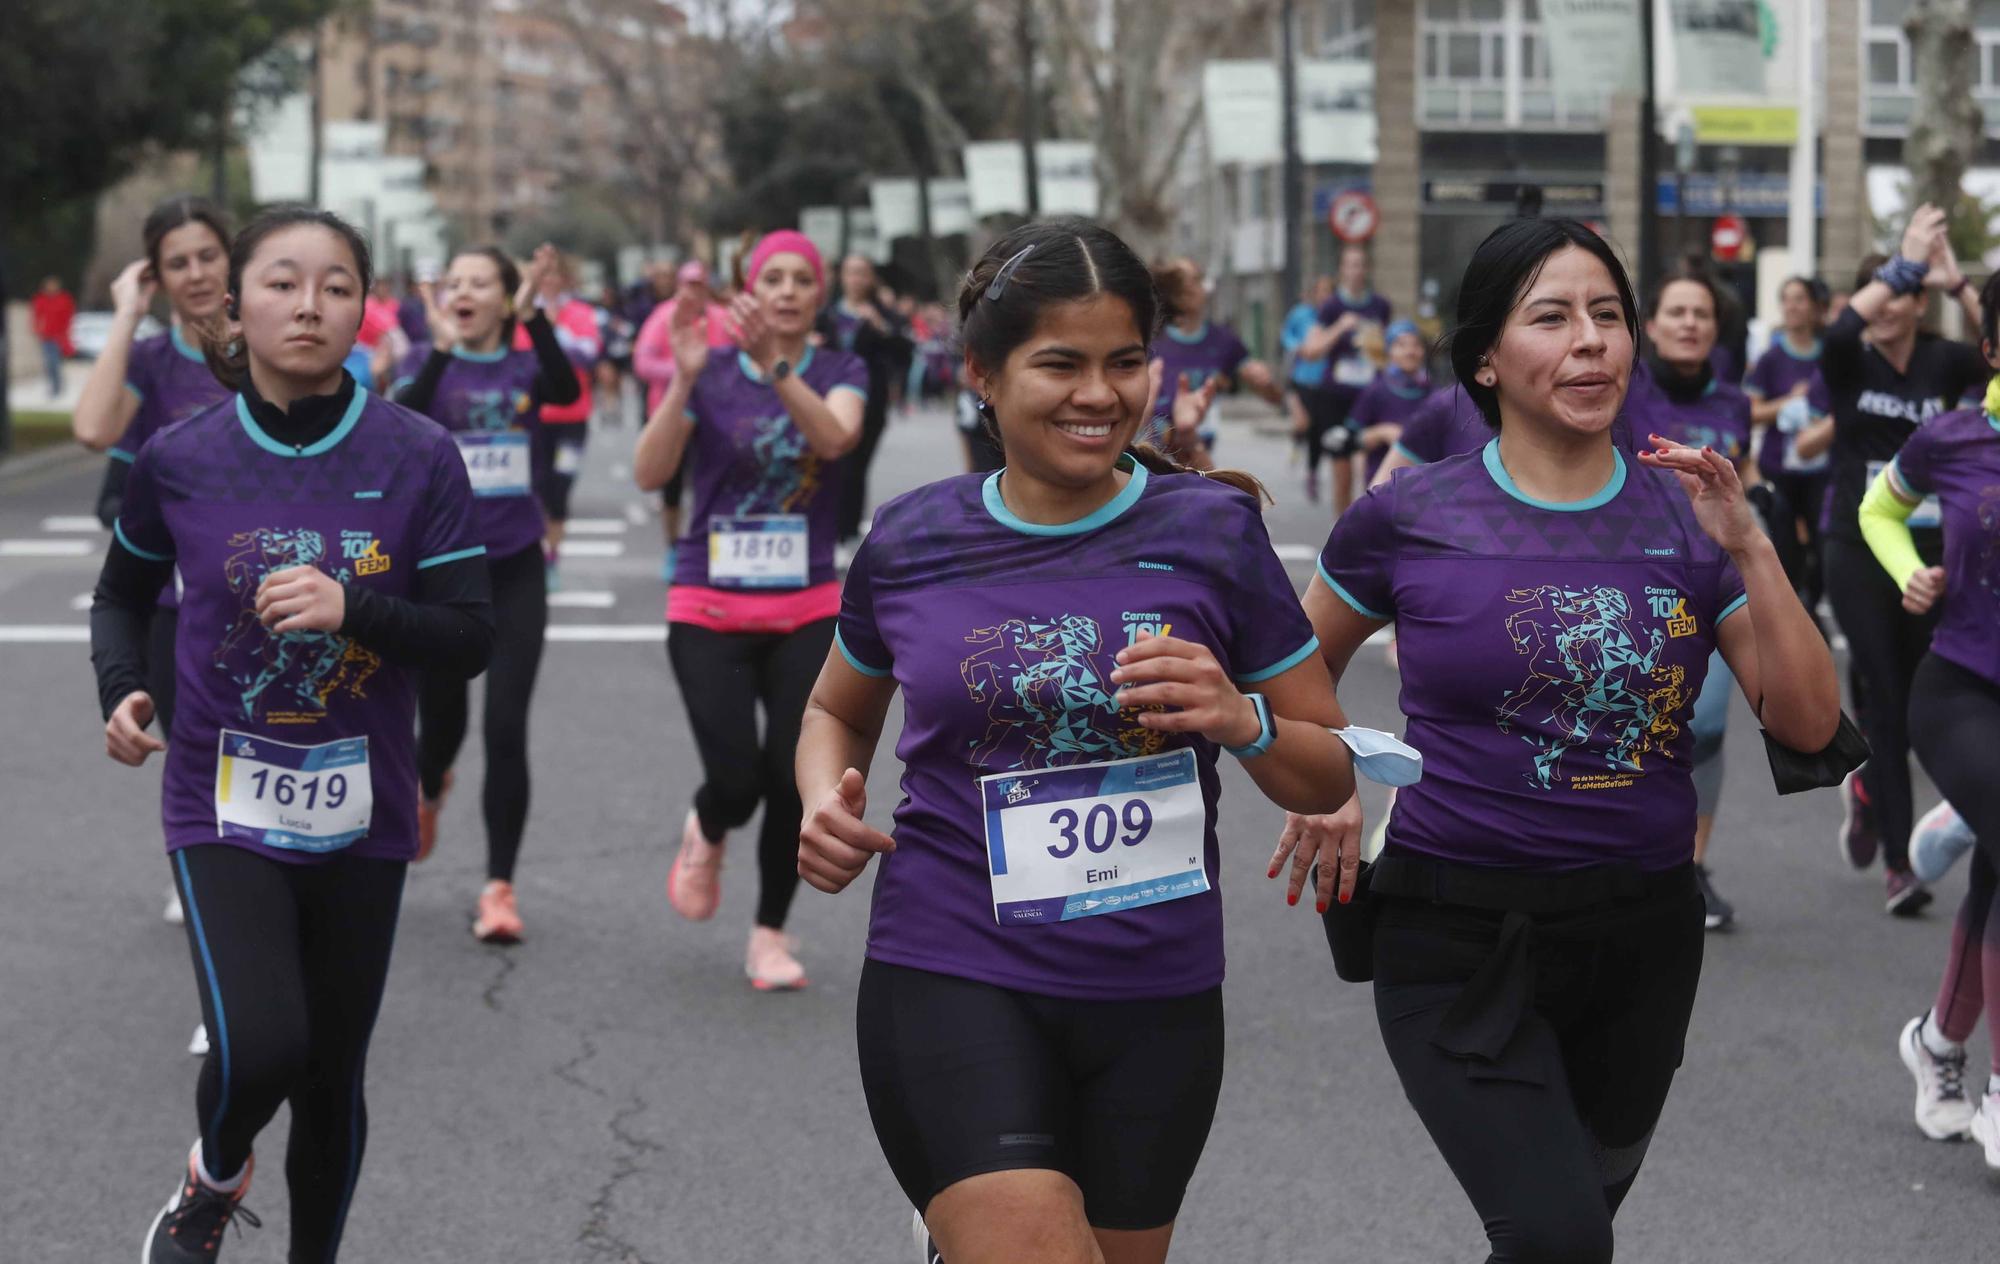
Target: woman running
(1677, 394)
(862, 323)
(1780, 386)
(565, 428)
(1077, 637)
(653, 362)
(751, 611)
(1539, 930)
(1955, 723)
(1353, 309)
(1386, 403)
(139, 386)
(489, 397)
(1885, 377)
(1305, 378)
(1196, 352)
(327, 547)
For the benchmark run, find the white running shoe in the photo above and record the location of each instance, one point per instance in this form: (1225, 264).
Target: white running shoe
(175, 914)
(927, 1251)
(1943, 1112)
(198, 1043)
(1940, 838)
(1986, 1128)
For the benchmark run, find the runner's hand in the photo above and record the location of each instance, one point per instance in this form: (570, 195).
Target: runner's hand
(1167, 671)
(301, 599)
(1712, 487)
(758, 340)
(834, 842)
(1191, 406)
(1923, 590)
(443, 325)
(687, 334)
(1334, 841)
(541, 266)
(132, 291)
(125, 737)
(1920, 238)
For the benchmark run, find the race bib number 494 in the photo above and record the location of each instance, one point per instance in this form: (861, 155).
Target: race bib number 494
(496, 461)
(298, 798)
(1064, 843)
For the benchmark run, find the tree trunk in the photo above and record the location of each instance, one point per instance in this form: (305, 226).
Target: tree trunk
(1946, 122)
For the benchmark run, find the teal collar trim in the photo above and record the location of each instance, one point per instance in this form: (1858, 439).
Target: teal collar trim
(347, 422)
(181, 345)
(1994, 422)
(1355, 300)
(494, 356)
(1506, 483)
(1408, 392)
(1187, 340)
(749, 366)
(1784, 343)
(1127, 497)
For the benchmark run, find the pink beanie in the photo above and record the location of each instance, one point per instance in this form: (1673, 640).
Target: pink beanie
(786, 241)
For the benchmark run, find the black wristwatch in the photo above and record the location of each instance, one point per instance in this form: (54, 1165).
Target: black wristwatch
(1959, 289)
(780, 371)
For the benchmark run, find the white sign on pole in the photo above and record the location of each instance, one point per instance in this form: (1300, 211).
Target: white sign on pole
(951, 208)
(995, 177)
(279, 144)
(1336, 101)
(1718, 48)
(821, 225)
(1595, 42)
(1240, 107)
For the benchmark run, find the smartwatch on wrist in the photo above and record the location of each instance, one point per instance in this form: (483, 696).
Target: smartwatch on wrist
(781, 370)
(1267, 730)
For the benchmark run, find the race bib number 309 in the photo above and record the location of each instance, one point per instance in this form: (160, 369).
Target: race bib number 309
(299, 798)
(1065, 843)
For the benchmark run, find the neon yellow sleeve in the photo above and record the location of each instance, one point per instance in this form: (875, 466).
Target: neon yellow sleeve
(1885, 524)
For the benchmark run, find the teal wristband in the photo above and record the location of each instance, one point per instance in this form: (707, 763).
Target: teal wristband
(1267, 730)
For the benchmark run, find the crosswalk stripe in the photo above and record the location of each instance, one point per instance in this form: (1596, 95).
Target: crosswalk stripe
(571, 600)
(47, 548)
(72, 522)
(592, 548)
(595, 526)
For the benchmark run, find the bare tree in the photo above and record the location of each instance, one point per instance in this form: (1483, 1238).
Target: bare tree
(1946, 123)
(1139, 66)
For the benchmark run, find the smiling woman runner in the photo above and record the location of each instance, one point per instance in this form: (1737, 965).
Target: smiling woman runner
(1077, 637)
(1539, 930)
(751, 610)
(472, 382)
(326, 546)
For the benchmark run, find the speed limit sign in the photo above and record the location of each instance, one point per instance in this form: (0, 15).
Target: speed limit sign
(1353, 216)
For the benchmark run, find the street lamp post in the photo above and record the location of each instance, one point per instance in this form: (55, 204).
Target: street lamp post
(1024, 35)
(1294, 178)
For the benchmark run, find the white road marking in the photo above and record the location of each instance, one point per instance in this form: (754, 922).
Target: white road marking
(1296, 552)
(592, 548)
(581, 600)
(72, 522)
(595, 526)
(47, 548)
(635, 513)
(45, 634)
(80, 602)
(608, 632)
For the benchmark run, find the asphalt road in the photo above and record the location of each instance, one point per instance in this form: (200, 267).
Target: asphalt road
(612, 1090)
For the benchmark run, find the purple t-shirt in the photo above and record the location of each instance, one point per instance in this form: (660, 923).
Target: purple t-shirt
(748, 459)
(1001, 634)
(1350, 368)
(487, 401)
(1392, 397)
(1551, 656)
(173, 383)
(383, 496)
(1446, 424)
(1213, 351)
(1776, 373)
(1718, 418)
(1956, 457)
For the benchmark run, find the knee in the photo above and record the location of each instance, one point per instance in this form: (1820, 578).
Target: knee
(734, 793)
(269, 1061)
(1569, 1235)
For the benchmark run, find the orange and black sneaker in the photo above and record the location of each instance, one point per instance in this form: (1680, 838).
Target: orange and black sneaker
(189, 1228)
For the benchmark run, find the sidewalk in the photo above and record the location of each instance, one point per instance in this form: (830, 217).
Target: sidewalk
(29, 393)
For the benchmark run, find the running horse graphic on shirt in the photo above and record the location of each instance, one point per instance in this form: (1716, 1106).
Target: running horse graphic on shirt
(787, 470)
(1588, 680)
(1045, 683)
(306, 667)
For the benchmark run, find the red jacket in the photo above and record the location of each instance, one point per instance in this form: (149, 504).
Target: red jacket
(53, 315)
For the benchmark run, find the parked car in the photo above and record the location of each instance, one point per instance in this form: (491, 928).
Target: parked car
(90, 330)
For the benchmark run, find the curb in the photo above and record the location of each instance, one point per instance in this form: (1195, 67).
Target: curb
(56, 458)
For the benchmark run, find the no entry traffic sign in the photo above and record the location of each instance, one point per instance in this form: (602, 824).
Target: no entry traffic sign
(1353, 216)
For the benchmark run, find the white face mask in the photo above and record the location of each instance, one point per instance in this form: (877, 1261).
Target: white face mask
(1382, 757)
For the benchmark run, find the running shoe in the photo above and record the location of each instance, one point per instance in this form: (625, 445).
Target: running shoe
(198, 1043)
(427, 817)
(1986, 1128)
(1312, 486)
(189, 1228)
(927, 1249)
(769, 961)
(1943, 1113)
(694, 884)
(1938, 842)
(174, 913)
(498, 920)
(1720, 912)
(1905, 895)
(1858, 839)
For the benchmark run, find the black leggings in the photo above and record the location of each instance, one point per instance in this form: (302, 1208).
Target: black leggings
(558, 456)
(1547, 1137)
(964, 1078)
(1325, 410)
(723, 675)
(520, 618)
(1955, 725)
(1795, 502)
(1885, 643)
(291, 960)
(854, 466)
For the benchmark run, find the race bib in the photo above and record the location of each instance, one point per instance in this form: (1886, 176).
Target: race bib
(1064, 843)
(1928, 513)
(495, 460)
(568, 458)
(758, 551)
(1794, 417)
(300, 798)
(1354, 370)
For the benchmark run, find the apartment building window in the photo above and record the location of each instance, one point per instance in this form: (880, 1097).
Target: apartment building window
(1889, 75)
(1484, 65)
(1347, 29)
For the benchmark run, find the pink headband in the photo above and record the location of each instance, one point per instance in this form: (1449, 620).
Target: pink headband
(786, 241)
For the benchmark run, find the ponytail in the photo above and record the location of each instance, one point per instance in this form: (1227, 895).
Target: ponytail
(226, 356)
(1158, 460)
